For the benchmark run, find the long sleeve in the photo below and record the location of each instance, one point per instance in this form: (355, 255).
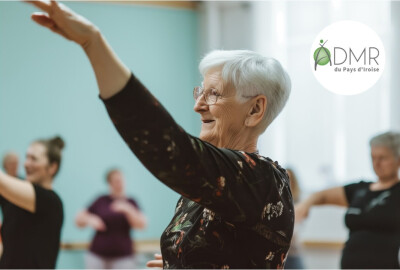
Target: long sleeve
(232, 183)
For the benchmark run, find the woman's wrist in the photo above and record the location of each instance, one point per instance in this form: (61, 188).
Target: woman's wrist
(96, 38)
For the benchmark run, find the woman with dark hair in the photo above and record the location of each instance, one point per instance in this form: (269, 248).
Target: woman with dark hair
(32, 211)
(236, 209)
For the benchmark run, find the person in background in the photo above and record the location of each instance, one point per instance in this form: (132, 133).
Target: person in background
(112, 216)
(373, 212)
(10, 164)
(294, 260)
(32, 211)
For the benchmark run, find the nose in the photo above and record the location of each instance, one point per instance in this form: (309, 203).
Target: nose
(200, 105)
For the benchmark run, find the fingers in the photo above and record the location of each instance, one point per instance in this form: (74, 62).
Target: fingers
(155, 263)
(101, 227)
(45, 6)
(54, 5)
(44, 20)
(158, 256)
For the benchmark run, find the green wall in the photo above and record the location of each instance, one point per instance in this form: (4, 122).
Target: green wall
(47, 87)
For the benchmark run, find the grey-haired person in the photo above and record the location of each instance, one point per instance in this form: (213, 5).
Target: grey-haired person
(373, 212)
(235, 209)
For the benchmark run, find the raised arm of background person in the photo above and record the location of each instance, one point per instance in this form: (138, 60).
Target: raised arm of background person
(20, 193)
(331, 196)
(84, 219)
(111, 74)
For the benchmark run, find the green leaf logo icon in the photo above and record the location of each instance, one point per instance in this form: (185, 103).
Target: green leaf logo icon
(322, 55)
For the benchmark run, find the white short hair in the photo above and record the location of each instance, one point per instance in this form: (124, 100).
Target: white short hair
(252, 74)
(388, 139)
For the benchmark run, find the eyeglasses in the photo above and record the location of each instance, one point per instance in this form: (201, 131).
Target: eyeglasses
(210, 96)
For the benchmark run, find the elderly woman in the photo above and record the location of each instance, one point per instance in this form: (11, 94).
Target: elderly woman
(373, 215)
(236, 208)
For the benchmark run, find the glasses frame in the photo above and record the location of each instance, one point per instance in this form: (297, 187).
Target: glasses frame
(199, 91)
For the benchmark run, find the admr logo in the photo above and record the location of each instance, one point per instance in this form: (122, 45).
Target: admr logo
(322, 55)
(353, 63)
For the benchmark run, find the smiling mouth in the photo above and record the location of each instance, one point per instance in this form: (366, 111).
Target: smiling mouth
(207, 121)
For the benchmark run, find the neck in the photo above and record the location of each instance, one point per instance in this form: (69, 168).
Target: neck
(47, 184)
(388, 182)
(241, 142)
(115, 194)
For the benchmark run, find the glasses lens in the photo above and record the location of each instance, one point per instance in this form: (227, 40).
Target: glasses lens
(211, 99)
(196, 93)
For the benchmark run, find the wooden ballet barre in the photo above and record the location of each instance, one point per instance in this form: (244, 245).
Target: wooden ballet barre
(144, 246)
(323, 244)
(154, 245)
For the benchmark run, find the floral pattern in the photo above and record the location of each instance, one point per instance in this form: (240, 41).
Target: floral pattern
(236, 208)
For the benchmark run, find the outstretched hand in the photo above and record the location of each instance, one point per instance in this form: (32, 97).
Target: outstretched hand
(61, 20)
(111, 73)
(156, 263)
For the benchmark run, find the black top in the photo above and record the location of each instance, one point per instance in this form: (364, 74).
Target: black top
(32, 240)
(373, 218)
(236, 208)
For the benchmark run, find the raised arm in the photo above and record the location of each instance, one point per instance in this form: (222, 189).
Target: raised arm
(111, 73)
(233, 184)
(331, 196)
(18, 192)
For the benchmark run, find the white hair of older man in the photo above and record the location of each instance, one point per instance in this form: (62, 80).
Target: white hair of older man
(388, 139)
(252, 74)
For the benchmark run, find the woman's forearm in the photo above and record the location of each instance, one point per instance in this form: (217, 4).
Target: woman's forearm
(111, 73)
(316, 198)
(83, 219)
(18, 192)
(135, 218)
(331, 196)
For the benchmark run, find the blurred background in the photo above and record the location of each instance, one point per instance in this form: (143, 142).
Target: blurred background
(47, 88)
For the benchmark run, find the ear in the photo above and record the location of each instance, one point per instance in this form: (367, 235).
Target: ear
(257, 111)
(53, 169)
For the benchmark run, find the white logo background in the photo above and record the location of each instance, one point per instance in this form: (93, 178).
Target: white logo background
(357, 36)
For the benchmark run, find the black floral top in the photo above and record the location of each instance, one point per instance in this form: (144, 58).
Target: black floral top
(236, 209)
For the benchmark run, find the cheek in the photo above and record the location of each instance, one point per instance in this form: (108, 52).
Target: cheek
(230, 119)
(40, 168)
(389, 164)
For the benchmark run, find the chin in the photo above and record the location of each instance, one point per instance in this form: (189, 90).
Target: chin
(32, 179)
(206, 137)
